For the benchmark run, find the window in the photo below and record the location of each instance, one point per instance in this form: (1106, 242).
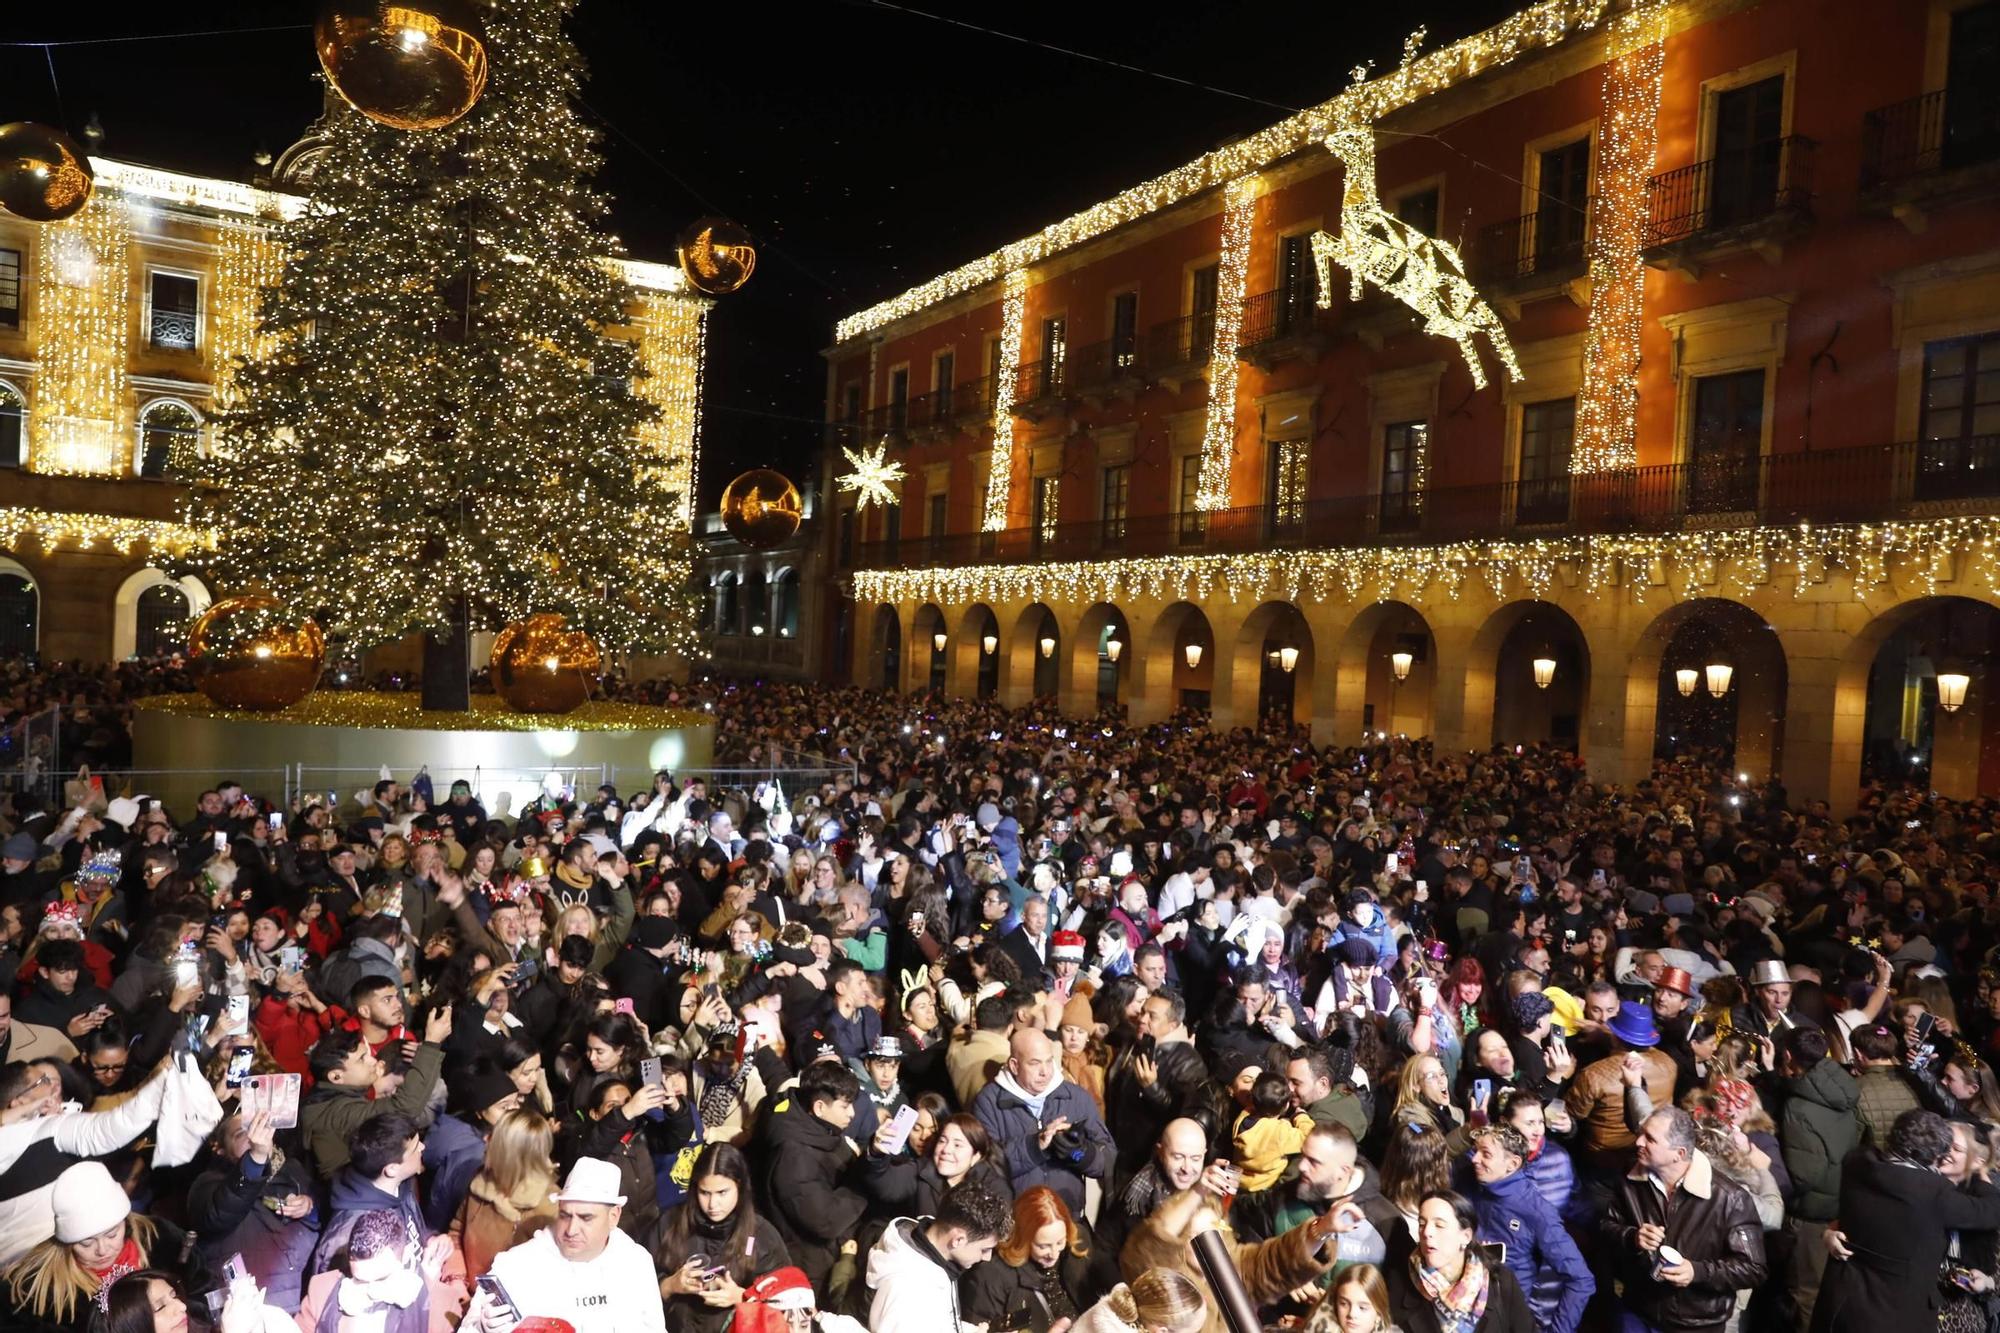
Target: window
(1290, 460)
(1548, 433)
(1727, 442)
(1419, 208)
(1959, 448)
(1117, 501)
(726, 606)
(1047, 513)
(1403, 445)
(993, 363)
(20, 608)
(934, 519)
(892, 526)
(13, 427)
(1561, 209)
(1194, 523)
(10, 289)
(1298, 284)
(899, 397)
(1055, 353)
(162, 621)
(850, 405)
(1124, 330)
(1749, 151)
(1971, 95)
(941, 373)
(1199, 341)
(787, 611)
(844, 540)
(168, 435)
(176, 303)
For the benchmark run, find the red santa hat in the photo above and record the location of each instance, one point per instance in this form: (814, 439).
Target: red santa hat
(764, 1304)
(1066, 947)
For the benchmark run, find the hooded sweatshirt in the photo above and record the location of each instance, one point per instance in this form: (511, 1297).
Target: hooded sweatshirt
(915, 1287)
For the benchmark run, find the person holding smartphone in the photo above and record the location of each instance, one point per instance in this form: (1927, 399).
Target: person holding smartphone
(714, 1245)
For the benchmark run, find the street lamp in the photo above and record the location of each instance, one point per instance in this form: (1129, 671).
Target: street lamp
(1399, 663)
(991, 643)
(1048, 646)
(1193, 653)
(1545, 668)
(1719, 671)
(938, 641)
(1288, 659)
(1113, 646)
(1687, 679)
(1952, 683)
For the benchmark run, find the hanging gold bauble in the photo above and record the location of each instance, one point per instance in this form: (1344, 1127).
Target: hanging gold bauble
(44, 176)
(249, 652)
(761, 508)
(540, 667)
(717, 255)
(414, 66)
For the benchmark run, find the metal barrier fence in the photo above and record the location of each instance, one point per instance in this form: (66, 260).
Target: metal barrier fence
(30, 755)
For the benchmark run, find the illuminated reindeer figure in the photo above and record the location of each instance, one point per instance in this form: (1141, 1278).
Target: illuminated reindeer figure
(1422, 272)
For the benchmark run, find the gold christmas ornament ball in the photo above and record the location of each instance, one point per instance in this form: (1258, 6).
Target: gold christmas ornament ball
(415, 66)
(761, 508)
(44, 176)
(540, 667)
(250, 652)
(717, 255)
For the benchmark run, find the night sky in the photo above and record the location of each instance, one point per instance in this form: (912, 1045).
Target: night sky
(867, 146)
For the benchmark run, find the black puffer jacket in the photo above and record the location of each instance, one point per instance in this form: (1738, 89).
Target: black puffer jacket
(1714, 1225)
(804, 1160)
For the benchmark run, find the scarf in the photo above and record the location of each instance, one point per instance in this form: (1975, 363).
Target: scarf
(1005, 1078)
(129, 1260)
(1459, 1305)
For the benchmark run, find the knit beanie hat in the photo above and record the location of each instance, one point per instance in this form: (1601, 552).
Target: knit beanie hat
(88, 1202)
(1076, 1014)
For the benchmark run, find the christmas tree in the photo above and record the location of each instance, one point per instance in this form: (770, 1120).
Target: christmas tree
(441, 431)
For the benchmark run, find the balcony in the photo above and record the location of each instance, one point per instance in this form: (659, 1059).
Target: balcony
(971, 403)
(1874, 483)
(1041, 388)
(1178, 351)
(1113, 368)
(1930, 152)
(1532, 257)
(1753, 200)
(1283, 325)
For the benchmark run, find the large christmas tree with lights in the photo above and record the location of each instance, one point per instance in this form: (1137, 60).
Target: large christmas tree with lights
(441, 431)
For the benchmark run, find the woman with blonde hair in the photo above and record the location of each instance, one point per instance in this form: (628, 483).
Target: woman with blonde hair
(1356, 1302)
(1423, 1096)
(98, 1239)
(1159, 1300)
(509, 1200)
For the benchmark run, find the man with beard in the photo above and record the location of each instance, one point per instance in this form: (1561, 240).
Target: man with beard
(1328, 1172)
(1179, 1159)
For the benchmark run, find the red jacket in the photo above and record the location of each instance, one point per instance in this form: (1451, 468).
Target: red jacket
(289, 1033)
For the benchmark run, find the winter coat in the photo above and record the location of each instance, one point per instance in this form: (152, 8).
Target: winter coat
(289, 1033)
(489, 1222)
(1713, 1224)
(1343, 1106)
(1269, 1268)
(45, 1006)
(915, 1290)
(1554, 1175)
(1141, 1113)
(974, 1061)
(1884, 1095)
(363, 958)
(320, 1311)
(617, 1292)
(1506, 1308)
(225, 1207)
(799, 1186)
(1017, 1138)
(34, 1152)
(1897, 1218)
(330, 1114)
(762, 1251)
(1541, 1254)
(1819, 1129)
(351, 1196)
(912, 1185)
(1003, 1295)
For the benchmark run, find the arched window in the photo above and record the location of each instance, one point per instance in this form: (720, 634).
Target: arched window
(13, 426)
(725, 605)
(785, 608)
(163, 621)
(169, 432)
(20, 612)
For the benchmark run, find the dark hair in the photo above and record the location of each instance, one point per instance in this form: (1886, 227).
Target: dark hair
(378, 1143)
(827, 1081)
(839, 970)
(332, 1051)
(1176, 1003)
(382, 928)
(1805, 1045)
(513, 1053)
(603, 1089)
(675, 1240)
(620, 1033)
(128, 1304)
(975, 1132)
(995, 1013)
(1506, 1136)
(976, 1210)
(1921, 1136)
(375, 1232)
(1461, 1207)
(1109, 1004)
(366, 989)
(1270, 1094)
(60, 955)
(1318, 1064)
(1874, 1043)
(576, 950)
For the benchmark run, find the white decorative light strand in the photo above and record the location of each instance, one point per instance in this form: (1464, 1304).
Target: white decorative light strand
(80, 422)
(1218, 436)
(873, 477)
(1000, 469)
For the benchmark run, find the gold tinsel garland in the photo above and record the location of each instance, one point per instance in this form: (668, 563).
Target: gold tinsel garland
(360, 708)
(1685, 563)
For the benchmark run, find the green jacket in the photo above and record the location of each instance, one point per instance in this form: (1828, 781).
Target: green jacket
(1821, 1126)
(1342, 1106)
(331, 1114)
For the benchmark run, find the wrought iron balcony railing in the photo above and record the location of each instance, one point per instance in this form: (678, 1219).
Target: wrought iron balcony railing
(1730, 190)
(1549, 241)
(1940, 131)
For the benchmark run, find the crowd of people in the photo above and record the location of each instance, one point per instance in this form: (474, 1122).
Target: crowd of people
(1021, 1026)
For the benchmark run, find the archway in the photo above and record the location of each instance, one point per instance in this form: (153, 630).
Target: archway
(150, 613)
(756, 599)
(1032, 671)
(1177, 666)
(1710, 675)
(929, 642)
(885, 650)
(1529, 668)
(1929, 717)
(20, 610)
(728, 609)
(785, 603)
(169, 434)
(976, 652)
(1388, 671)
(1098, 661)
(1272, 664)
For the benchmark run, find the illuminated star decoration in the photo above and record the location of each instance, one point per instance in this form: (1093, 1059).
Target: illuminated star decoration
(872, 477)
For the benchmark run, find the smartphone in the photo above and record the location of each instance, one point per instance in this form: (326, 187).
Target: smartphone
(649, 1070)
(1482, 1092)
(1389, 864)
(277, 820)
(153, 806)
(239, 1013)
(1926, 1023)
(291, 958)
(234, 1271)
(1523, 869)
(239, 1067)
(899, 1130)
(623, 1006)
(495, 1293)
(221, 841)
(186, 972)
(1597, 877)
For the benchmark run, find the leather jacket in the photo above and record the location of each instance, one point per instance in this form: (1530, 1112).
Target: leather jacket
(1714, 1225)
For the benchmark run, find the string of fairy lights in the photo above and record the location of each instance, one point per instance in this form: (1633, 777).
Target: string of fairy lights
(55, 529)
(1218, 436)
(1920, 557)
(80, 422)
(1000, 469)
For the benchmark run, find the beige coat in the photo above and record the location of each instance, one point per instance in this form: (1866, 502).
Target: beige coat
(488, 1223)
(1269, 1268)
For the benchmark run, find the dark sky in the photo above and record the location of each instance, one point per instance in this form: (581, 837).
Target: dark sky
(866, 146)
